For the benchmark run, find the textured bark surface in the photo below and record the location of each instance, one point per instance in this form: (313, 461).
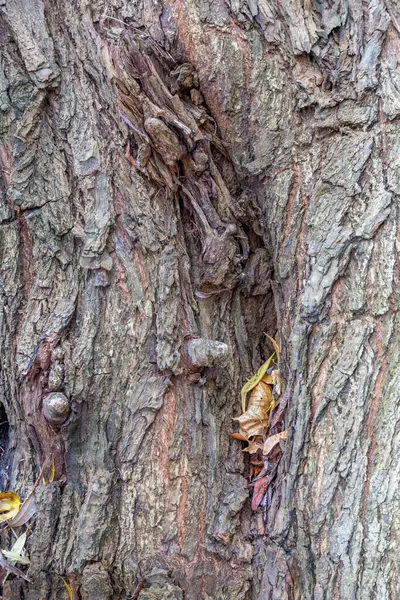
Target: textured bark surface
(173, 171)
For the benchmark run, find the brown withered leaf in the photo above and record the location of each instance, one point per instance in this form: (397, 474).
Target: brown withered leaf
(26, 512)
(254, 446)
(271, 442)
(265, 389)
(268, 379)
(254, 421)
(260, 487)
(239, 436)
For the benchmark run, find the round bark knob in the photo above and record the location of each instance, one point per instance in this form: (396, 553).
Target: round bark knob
(56, 408)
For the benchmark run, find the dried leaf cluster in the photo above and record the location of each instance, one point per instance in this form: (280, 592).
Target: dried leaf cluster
(15, 514)
(261, 426)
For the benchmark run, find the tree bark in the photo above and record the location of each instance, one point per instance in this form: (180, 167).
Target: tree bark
(173, 175)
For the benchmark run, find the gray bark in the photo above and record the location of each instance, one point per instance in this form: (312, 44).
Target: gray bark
(137, 219)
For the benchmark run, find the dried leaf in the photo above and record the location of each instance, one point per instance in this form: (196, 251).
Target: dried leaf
(276, 348)
(254, 421)
(69, 590)
(260, 487)
(253, 381)
(239, 436)
(266, 388)
(53, 470)
(26, 512)
(15, 555)
(9, 567)
(253, 447)
(9, 505)
(52, 473)
(271, 442)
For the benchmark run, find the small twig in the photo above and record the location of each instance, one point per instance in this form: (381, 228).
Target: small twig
(139, 587)
(132, 126)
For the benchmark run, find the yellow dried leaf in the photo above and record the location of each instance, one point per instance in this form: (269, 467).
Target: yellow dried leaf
(268, 379)
(9, 505)
(53, 470)
(273, 440)
(276, 348)
(69, 590)
(52, 473)
(253, 381)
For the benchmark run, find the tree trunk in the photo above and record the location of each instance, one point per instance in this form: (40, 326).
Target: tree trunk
(174, 175)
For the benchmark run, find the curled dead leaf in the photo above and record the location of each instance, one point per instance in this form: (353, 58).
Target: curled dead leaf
(259, 488)
(271, 442)
(239, 436)
(253, 447)
(266, 389)
(254, 421)
(26, 512)
(253, 381)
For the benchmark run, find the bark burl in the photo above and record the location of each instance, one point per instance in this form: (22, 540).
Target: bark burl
(178, 178)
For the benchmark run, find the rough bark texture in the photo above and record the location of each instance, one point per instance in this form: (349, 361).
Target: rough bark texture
(181, 170)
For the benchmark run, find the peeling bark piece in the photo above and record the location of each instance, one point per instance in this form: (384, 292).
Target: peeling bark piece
(164, 140)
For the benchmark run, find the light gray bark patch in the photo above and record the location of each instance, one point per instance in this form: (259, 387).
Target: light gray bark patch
(345, 160)
(32, 36)
(94, 527)
(347, 359)
(169, 333)
(226, 518)
(144, 398)
(47, 499)
(97, 220)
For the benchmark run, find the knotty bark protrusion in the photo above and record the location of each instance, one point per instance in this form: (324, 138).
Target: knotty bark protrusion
(56, 408)
(201, 352)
